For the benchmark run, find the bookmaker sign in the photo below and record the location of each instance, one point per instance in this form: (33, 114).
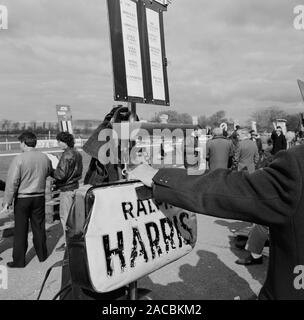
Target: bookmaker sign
(126, 238)
(138, 51)
(64, 115)
(131, 45)
(157, 72)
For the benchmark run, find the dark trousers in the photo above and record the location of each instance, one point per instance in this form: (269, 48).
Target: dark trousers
(29, 209)
(257, 238)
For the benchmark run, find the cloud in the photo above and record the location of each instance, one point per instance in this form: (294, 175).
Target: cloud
(233, 55)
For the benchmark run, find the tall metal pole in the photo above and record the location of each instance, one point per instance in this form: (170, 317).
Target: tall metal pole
(133, 291)
(132, 107)
(133, 294)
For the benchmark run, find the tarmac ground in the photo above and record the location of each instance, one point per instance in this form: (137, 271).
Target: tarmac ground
(209, 272)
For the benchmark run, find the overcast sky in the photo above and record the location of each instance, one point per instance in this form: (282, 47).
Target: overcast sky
(234, 55)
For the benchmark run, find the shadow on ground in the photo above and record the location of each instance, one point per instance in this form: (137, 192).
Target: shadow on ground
(53, 234)
(233, 225)
(209, 279)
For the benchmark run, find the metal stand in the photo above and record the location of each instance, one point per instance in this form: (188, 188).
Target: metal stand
(133, 295)
(134, 292)
(132, 107)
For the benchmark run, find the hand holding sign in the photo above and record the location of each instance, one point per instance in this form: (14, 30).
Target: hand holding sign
(144, 173)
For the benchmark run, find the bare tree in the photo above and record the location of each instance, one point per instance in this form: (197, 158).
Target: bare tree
(33, 124)
(265, 117)
(16, 126)
(6, 125)
(203, 121)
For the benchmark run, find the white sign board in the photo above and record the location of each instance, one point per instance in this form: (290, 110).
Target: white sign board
(131, 45)
(157, 72)
(64, 115)
(128, 238)
(224, 126)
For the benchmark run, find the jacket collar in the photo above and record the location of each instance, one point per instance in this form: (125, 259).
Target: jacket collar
(29, 150)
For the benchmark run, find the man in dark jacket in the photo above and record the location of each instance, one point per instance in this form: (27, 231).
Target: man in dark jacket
(279, 140)
(257, 139)
(235, 135)
(67, 175)
(272, 196)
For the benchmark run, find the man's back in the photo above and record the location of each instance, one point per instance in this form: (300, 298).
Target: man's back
(247, 155)
(27, 174)
(218, 151)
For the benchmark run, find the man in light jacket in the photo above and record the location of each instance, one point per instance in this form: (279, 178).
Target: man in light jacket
(25, 185)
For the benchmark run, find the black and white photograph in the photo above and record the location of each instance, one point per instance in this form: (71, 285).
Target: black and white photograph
(152, 150)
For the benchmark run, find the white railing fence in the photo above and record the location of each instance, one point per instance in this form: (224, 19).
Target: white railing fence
(41, 144)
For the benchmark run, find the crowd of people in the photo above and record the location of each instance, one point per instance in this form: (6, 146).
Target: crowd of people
(233, 188)
(270, 197)
(244, 151)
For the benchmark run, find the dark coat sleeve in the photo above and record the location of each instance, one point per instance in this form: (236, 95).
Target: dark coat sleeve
(2, 185)
(267, 196)
(284, 143)
(61, 173)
